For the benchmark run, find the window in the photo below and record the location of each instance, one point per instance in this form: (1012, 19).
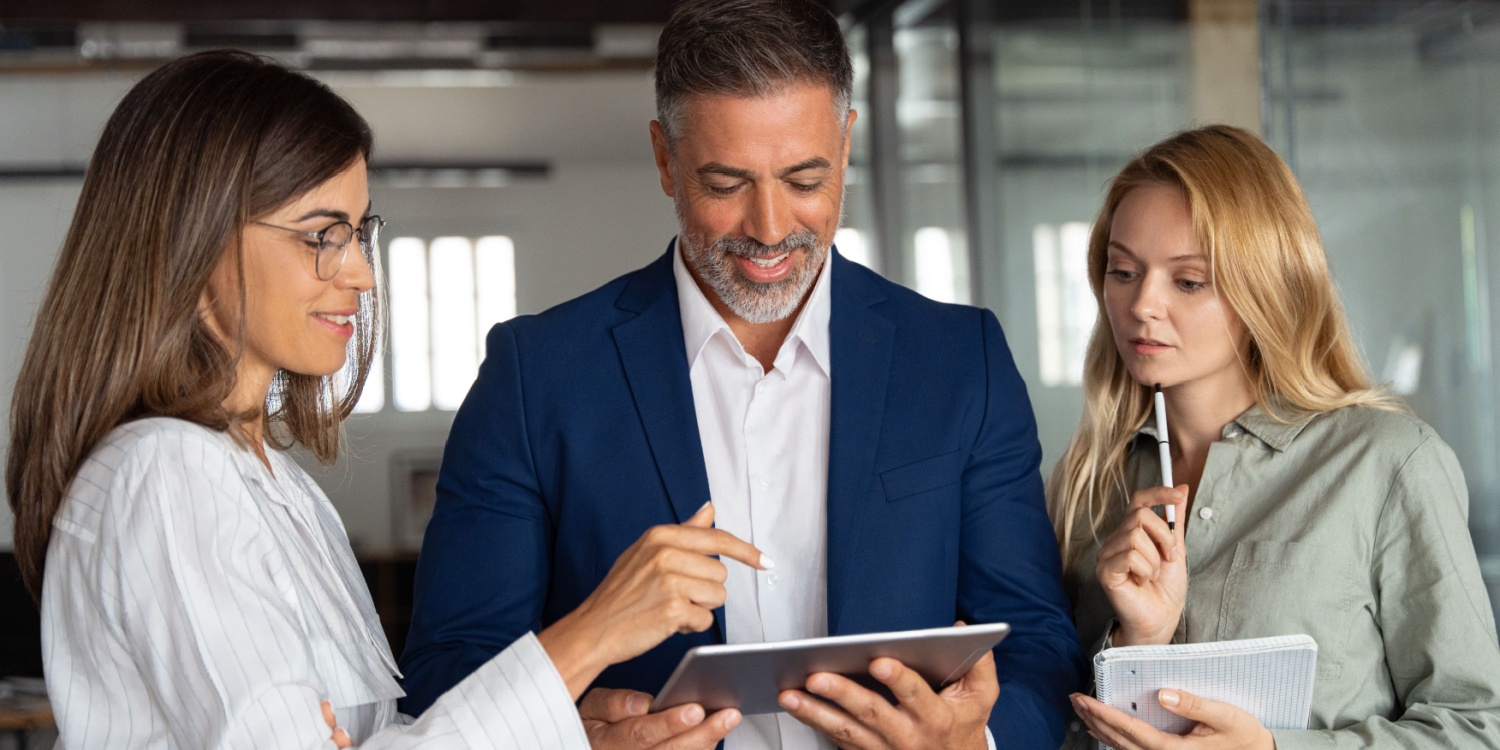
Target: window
(935, 273)
(1065, 306)
(851, 244)
(445, 294)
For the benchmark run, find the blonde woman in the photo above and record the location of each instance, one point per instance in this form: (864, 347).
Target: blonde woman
(1309, 500)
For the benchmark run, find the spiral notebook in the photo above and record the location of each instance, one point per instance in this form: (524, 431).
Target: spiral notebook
(1272, 678)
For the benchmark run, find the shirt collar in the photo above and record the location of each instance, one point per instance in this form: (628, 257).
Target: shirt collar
(700, 321)
(1276, 428)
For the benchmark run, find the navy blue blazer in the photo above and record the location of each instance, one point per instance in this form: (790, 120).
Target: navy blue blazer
(580, 433)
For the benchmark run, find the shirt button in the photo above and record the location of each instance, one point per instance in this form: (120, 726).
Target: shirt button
(772, 579)
(1205, 513)
(760, 387)
(762, 481)
(1075, 726)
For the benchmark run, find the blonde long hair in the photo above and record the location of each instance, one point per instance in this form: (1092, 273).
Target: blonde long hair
(1266, 261)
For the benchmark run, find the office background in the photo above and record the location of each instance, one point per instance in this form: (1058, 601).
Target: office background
(514, 167)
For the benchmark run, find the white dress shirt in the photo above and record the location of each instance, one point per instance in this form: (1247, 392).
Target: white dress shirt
(193, 599)
(765, 445)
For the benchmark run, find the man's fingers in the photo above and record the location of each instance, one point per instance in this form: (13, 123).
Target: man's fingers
(909, 687)
(604, 704)
(982, 678)
(328, 715)
(829, 720)
(653, 729)
(706, 735)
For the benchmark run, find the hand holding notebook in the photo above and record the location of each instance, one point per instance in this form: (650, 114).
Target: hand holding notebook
(1264, 681)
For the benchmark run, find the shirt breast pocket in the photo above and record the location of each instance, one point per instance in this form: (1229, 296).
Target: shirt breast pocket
(1285, 588)
(920, 477)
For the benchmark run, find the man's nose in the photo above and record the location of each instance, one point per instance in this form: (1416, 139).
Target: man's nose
(770, 217)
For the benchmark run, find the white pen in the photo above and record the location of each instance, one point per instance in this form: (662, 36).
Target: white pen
(1165, 449)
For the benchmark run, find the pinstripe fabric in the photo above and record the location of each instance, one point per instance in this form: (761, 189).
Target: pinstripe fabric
(193, 599)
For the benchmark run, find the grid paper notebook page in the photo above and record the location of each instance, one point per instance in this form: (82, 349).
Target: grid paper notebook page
(1271, 678)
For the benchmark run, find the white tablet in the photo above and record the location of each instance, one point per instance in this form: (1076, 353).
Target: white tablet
(749, 676)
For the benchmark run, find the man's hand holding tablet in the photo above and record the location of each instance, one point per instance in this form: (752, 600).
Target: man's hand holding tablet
(941, 680)
(857, 718)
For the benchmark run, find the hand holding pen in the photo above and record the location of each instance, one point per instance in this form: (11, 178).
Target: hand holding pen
(1142, 566)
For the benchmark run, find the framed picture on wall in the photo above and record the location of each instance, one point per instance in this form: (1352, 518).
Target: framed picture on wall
(414, 475)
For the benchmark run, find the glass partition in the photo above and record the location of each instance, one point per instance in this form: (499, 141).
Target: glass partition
(994, 126)
(1390, 115)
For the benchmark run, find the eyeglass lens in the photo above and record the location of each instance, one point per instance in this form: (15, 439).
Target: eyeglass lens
(334, 245)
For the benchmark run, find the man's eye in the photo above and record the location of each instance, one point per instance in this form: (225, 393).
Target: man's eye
(805, 187)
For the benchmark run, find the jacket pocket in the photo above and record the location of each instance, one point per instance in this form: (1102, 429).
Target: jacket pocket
(920, 476)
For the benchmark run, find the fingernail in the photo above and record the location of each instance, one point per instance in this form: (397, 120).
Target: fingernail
(1176, 551)
(693, 715)
(818, 684)
(732, 720)
(766, 563)
(1167, 697)
(881, 670)
(636, 705)
(1080, 706)
(790, 701)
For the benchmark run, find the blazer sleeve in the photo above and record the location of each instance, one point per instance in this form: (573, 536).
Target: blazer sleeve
(1010, 569)
(482, 575)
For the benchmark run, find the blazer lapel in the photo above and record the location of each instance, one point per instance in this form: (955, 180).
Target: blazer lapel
(860, 342)
(655, 360)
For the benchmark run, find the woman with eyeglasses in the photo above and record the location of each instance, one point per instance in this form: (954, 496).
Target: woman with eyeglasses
(214, 305)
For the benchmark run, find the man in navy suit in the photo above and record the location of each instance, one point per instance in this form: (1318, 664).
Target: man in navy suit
(877, 446)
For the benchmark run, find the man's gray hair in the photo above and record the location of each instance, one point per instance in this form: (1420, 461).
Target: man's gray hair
(748, 48)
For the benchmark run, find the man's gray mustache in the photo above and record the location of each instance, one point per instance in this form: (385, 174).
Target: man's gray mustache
(752, 250)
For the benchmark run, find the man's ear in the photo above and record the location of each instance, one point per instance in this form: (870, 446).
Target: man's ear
(663, 153)
(849, 135)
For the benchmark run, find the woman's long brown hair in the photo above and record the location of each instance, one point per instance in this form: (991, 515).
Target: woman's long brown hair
(195, 151)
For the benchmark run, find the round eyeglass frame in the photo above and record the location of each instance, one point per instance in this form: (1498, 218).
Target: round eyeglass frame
(331, 246)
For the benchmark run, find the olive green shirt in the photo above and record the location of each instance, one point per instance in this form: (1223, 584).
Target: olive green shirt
(1351, 527)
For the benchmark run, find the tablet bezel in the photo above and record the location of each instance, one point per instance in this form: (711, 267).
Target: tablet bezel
(749, 676)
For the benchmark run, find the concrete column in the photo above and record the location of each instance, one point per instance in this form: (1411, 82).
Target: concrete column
(1226, 62)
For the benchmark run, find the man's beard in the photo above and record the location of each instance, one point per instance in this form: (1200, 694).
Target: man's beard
(754, 301)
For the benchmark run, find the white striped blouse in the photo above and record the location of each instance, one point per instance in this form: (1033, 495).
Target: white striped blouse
(193, 599)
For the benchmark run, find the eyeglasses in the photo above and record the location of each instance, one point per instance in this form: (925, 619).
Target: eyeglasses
(333, 243)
